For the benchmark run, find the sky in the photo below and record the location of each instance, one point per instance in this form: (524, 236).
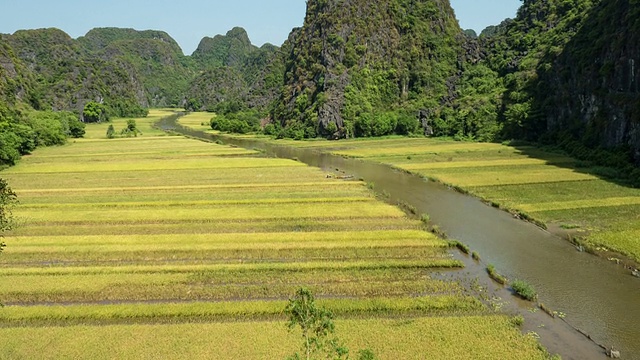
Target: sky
(188, 21)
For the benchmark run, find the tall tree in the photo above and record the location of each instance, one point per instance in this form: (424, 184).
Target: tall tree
(317, 328)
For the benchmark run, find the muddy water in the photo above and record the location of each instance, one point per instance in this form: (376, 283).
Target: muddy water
(598, 297)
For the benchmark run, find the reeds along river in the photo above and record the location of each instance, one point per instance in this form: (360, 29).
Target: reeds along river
(598, 297)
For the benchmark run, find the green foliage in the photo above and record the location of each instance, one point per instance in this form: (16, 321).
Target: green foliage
(111, 132)
(76, 127)
(192, 105)
(241, 122)
(15, 140)
(406, 125)
(7, 200)
(21, 134)
(317, 327)
(52, 128)
(524, 289)
(130, 130)
(366, 354)
(493, 273)
(94, 112)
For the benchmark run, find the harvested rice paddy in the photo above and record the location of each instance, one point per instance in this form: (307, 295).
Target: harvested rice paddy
(164, 247)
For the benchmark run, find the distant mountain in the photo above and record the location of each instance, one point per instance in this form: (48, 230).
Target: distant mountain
(155, 58)
(234, 70)
(65, 77)
(231, 49)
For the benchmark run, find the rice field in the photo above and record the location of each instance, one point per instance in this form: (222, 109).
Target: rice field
(547, 187)
(165, 247)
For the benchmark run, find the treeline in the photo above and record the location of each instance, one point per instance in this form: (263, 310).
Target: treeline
(22, 132)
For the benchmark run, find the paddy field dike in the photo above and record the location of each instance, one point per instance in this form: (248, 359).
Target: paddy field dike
(160, 246)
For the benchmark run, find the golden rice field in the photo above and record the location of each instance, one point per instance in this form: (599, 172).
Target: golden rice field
(547, 187)
(165, 247)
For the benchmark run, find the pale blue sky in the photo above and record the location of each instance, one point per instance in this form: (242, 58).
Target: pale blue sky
(188, 21)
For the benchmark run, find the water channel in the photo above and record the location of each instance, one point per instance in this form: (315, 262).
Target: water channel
(598, 297)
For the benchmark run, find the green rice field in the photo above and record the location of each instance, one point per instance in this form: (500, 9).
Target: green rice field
(547, 187)
(165, 247)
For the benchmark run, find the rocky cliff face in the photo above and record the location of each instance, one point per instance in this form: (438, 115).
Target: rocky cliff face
(569, 73)
(595, 79)
(356, 57)
(15, 80)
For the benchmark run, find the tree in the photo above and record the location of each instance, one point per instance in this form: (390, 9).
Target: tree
(317, 328)
(94, 112)
(131, 129)
(192, 105)
(76, 128)
(7, 200)
(111, 132)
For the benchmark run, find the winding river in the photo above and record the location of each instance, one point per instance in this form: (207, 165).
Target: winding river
(598, 297)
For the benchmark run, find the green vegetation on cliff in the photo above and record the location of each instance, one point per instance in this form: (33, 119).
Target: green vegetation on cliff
(354, 62)
(65, 78)
(153, 56)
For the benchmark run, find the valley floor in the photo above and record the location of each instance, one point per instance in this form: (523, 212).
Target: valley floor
(548, 188)
(165, 247)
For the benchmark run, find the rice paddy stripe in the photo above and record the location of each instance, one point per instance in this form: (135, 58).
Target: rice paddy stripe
(151, 165)
(196, 187)
(485, 163)
(283, 237)
(581, 204)
(185, 269)
(131, 312)
(152, 204)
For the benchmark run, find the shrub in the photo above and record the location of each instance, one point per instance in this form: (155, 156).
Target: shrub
(425, 218)
(524, 289)
(406, 125)
(111, 132)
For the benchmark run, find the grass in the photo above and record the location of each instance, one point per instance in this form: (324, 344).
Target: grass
(171, 238)
(524, 289)
(229, 311)
(497, 277)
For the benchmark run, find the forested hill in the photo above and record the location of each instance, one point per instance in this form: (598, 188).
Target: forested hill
(561, 72)
(64, 77)
(129, 70)
(358, 66)
(569, 73)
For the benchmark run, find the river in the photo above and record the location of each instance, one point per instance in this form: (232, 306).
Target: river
(598, 297)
